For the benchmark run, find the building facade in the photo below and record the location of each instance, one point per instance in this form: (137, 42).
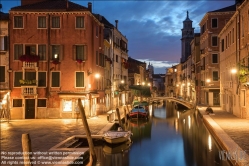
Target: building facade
(211, 25)
(234, 62)
(4, 66)
(56, 52)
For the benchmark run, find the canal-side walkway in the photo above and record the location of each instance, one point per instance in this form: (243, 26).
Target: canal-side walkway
(231, 132)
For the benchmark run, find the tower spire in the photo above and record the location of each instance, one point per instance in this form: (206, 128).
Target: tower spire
(187, 14)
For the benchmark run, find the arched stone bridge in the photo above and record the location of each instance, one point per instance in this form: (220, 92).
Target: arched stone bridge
(187, 104)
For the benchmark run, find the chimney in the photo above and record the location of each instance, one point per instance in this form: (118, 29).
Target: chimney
(90, 6)
(116, 21)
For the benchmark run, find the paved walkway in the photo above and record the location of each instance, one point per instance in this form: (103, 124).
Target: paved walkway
(230, 131)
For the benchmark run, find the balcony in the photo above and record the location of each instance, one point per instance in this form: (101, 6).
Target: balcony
(29, 65)
(29, 90)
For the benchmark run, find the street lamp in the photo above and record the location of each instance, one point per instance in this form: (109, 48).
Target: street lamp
(97, 75)
(208, 80)
(233, 70)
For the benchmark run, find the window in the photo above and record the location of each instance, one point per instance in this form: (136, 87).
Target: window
(42, 79)
(80, 22)
(55, 22)
(17, 77)
(214, 41)
(56, 52)
(42, 22)
(79, 79)
(30, 49)
(222, 45)
(2, 73)
(101, 60)
(67, 105)
(214, 23)
(97, 31)
(214, 58)
(233, 35)
(203, 28)
(215, 76)
(17, 102)
(80, 52)
(3, 42)
(97, 58)
(42, 52)
(18, 51)
(18, 22)
(116, 58)
(55, 79)
(41, 102)
(30, 75)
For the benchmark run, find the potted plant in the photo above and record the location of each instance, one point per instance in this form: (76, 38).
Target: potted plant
(27, 82)
(29, 58)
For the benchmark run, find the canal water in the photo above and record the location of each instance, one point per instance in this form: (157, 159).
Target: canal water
(170, 137)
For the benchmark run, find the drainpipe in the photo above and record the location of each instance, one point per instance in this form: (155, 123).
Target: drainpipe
(48, 62)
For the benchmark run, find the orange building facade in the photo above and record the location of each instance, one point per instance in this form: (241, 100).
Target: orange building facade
(56, 48)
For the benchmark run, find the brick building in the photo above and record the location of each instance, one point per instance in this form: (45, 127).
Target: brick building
(234, 62)
(56, 48)
(211, 25)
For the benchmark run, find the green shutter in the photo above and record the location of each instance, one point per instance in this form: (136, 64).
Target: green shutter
(2, 73)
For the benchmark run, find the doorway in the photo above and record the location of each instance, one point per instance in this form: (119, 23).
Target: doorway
(30, 109)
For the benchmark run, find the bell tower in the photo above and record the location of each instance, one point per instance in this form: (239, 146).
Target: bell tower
(187, 37)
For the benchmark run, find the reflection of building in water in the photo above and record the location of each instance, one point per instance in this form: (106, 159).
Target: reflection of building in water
(198, 143)
(116, 159)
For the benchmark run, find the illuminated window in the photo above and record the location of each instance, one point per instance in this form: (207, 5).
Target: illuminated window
(67, 105)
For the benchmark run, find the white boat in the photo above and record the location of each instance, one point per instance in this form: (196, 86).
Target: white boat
(116, 137)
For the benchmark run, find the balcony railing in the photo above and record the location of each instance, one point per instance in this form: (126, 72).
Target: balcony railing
(29, 90)
(29, 65)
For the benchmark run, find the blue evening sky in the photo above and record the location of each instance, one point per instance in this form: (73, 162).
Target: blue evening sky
(153, 28)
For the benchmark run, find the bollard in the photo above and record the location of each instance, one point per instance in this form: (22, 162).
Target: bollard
(26, 148)
(119, 119)
(93, 157)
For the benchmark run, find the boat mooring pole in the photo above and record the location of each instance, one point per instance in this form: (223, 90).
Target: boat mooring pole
(119, 119)
(93, 158)
(26, 148)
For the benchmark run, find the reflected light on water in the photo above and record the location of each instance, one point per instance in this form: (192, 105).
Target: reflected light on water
(178, 114)
(176, 124)
(189, 122)
(150, 110)
(184, 121)
(209, 143)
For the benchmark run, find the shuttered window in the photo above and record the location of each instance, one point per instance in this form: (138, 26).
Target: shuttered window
(42, 103)
(55, 79)
(2, 73)
(42, 79)
(18, 22)
(18, 76)
(79, 79)
(80, 22)
(17, 102)
(18, 51)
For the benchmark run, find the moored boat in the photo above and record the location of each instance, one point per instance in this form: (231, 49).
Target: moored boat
(139, 112)
(116, 137)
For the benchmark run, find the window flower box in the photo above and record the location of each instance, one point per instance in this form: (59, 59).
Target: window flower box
(27, 82)
(29, 58)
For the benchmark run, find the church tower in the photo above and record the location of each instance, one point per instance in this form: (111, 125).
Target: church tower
(187, 37)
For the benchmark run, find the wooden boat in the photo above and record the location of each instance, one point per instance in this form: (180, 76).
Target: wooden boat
(117, 148)
(139, 112)
(116, 137)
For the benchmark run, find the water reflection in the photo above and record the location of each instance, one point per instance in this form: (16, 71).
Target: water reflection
(169, 137)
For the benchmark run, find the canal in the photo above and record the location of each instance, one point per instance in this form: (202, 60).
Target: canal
(169, 137)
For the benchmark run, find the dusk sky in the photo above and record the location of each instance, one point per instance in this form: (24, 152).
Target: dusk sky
(153, 28)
